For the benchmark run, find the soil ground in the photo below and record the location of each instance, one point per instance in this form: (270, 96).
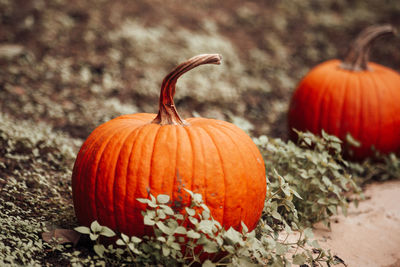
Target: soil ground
(370, 234)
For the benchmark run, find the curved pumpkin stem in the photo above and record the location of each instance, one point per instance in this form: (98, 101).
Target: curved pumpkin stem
(357, 57)
(167, 113)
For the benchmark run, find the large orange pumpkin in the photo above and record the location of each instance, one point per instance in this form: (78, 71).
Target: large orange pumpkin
(353, 97)
(135, 155)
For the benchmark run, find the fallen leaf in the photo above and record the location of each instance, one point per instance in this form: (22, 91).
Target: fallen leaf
(61, 236)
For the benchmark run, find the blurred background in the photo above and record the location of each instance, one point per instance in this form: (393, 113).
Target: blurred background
(75, 64)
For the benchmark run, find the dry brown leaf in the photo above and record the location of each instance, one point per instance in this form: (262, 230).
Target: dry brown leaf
(61, 236)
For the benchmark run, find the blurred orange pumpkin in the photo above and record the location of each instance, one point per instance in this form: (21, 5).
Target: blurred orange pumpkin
(353, 97)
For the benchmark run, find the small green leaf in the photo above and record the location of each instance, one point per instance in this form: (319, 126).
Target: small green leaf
(295, 193)
(233, 236)
(332, 209)
(125, 238)
(167, 210)
(280, 249)
(148, 221)
(190, 212)
(205, 226)
(143, 200)
(197, 198)
(95, 227)
(161, 214)
(82, 230)
(175, 246)
(326, 181)
(165, 229)
(120, 242)
(245, 230)
(351, 141)
(162, 199)
(193, 220)
(93, 236)
(205, 214)
(193, 234)
(131, 246)
(205, 208)
(210, 247)
(276, 215)
(166, 251)
(99, 249)
(180, 230)
(190, 192)
(105, 231)
(162, 239)
(299, 259)
(179, 217)
(208, 263)
(135, 239)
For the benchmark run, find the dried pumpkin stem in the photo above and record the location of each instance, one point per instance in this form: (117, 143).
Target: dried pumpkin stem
(167, 113)
(358, 54)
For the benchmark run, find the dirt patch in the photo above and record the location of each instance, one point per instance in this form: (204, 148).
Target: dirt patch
(370, 234)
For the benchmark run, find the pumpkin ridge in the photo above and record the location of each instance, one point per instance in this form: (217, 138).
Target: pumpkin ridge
(125, 220)
(338, 101)
(193, 157)
(164, 168)
(83, 157)
(324, 104)
(203, 155)
(341, 115)
(97, 178)
(307, 95)
(95, 204)
(378, 99)
(205, 180)
(82, 173)
(246, 147)
(132, 134)
(222, 168)
(197, 143)
(180, 182)
(240, 136)
(136, 154)
(296, 118)
(176, 165)
(243, 216)
(318, 115)
(358, 109)
(152, 158)
(112, 192)
(392, 97)
(336, 107)
(365, 118)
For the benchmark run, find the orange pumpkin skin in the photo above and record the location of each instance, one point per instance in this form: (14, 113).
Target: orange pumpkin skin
(131, 157)
(364, 103)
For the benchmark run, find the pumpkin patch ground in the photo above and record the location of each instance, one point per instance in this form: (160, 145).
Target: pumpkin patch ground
(67, 67)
